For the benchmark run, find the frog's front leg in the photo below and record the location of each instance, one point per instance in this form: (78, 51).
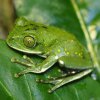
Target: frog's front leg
(27, 61)
(42, 67)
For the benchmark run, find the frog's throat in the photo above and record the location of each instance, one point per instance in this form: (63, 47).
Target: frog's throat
(26, 50)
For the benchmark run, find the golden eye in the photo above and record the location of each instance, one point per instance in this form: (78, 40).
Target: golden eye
(29, 41)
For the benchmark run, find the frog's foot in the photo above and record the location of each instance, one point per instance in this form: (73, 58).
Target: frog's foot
(51, 80)
(32, 69)
(28, 70)
(28, 62)
(58, 82)
(28, 59)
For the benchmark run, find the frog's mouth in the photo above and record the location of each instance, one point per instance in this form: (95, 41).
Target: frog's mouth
(24, 50)
(27, 51)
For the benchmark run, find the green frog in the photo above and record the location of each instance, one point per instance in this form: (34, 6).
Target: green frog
(55, 46)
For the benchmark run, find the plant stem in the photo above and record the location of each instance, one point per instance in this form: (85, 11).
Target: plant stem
(87, 36)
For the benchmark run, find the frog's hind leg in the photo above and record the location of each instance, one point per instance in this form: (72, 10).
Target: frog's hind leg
(49, 81)
(70, 71)
(52, 80)
(64, 80)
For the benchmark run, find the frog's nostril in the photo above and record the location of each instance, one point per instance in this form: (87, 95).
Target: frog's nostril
(11, 39)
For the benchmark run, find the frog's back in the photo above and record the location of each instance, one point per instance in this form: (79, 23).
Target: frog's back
(75, 54)
(61, 34)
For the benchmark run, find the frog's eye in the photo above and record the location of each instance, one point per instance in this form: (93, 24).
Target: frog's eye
(29, 41)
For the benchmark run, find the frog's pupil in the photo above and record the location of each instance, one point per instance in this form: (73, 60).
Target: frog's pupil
(29, 41)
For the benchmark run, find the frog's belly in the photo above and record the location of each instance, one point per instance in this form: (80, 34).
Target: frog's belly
(75, 62)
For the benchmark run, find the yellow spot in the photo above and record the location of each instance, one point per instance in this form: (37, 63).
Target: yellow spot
(76, 53)
(59, 70)
(65, 49)
(48, 76)
(67, 53)
(80, 54)
(59, 50)
(72, 40)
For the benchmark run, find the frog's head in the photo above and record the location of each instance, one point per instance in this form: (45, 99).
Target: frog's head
(25, 37)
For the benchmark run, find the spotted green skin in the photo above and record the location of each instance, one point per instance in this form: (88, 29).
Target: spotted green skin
(52, 43)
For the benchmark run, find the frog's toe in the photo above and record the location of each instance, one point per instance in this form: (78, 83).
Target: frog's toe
(13, 59)
(50, 91)
(28, 59)
(16, 75)
(41, 81)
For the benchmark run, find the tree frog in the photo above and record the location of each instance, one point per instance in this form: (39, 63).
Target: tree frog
(55, 46)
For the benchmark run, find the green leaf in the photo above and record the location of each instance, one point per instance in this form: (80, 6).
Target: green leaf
(26, 87)
(54, 12)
